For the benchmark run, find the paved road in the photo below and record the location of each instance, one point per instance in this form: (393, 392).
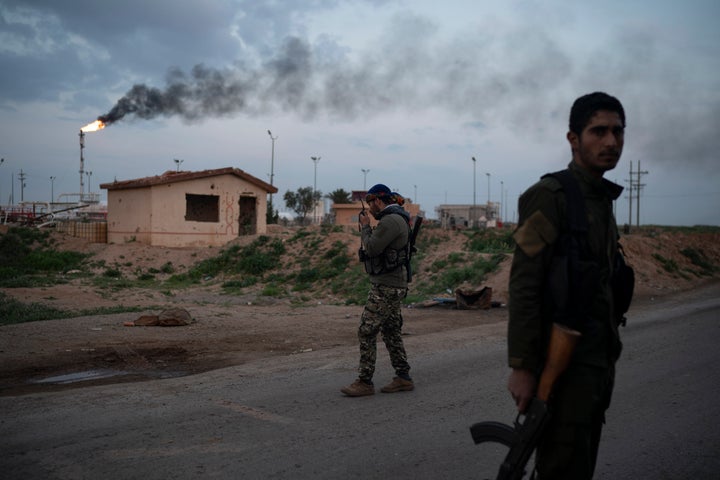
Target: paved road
(287, 419)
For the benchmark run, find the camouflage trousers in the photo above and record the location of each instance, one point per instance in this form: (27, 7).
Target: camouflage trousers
(382, 315)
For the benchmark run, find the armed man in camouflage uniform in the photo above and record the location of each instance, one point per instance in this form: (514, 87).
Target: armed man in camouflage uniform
(569, 446)
(384, 252)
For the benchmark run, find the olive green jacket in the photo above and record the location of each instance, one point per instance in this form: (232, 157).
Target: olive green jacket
(542, 219)
(392, 231)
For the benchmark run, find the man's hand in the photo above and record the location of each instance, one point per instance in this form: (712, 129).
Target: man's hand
(363, 219)
(522, 384)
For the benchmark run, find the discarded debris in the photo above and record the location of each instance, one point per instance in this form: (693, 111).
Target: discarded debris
(465, 299)
(469, 299)
(174, 317)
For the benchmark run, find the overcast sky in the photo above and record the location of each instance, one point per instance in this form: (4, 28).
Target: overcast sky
(410, 90)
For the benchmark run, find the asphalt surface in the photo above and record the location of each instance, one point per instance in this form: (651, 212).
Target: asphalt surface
(286, 419)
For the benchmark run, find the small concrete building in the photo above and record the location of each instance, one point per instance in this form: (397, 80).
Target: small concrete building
(347, 213)
(182, 209)
(467, 216)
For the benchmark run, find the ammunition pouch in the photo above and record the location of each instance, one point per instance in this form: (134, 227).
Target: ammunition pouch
(388, 261)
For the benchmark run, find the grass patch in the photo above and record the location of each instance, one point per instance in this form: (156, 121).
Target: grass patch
(28, 259)
(449, 276)
(668, 264)
(352, 284)
(490, 241)
(699, 259)
(13, 311)
(256, 259)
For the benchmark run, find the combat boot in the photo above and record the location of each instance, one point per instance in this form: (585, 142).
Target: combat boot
(358, 389)
(398, 385)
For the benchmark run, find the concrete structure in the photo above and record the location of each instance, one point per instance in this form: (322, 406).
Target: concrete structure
(347, 213)
(181, 209)
(467, 216)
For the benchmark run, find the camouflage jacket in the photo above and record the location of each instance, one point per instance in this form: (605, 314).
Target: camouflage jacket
(542, 220)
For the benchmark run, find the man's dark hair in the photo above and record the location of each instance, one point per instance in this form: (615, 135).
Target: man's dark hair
(586, 106)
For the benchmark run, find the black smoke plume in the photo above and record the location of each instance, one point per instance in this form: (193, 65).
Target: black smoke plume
(207, 92)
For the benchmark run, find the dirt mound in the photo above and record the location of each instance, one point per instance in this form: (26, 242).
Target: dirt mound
(234, 329)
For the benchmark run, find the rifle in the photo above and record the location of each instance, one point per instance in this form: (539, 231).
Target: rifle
(361, 251)
(523, 437)
(411, 246)
(362, 213)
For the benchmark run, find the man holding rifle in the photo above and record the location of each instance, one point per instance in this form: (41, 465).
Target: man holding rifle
(385, 252)
(564, 351)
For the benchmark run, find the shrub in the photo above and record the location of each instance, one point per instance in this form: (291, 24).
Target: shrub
(491, 241)
(699, 259)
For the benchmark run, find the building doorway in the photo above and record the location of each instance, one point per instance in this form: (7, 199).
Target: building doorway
(247, 220)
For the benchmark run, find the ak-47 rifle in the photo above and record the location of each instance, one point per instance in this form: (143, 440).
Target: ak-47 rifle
(523, 437)
(361, 251)
(411, 246)
(361, 214)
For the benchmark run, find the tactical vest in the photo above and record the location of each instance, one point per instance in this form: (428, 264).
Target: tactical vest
(390, 259)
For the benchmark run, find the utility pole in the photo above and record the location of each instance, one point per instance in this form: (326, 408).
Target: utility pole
(630, 197)
(52, 189)
(638, 186)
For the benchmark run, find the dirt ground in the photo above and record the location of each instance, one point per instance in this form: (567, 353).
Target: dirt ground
(232, 330)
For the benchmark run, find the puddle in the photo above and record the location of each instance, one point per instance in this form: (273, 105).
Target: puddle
(81, 376)
(101, 374)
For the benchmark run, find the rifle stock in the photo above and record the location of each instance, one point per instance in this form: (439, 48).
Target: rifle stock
(560, 349)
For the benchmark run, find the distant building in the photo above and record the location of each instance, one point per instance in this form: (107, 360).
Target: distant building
(347, 213)
(467, 216)
(181, 209)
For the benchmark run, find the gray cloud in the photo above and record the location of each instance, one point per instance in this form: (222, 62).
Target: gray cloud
(520, 78)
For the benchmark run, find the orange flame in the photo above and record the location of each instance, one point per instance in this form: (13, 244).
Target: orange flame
(93, 127)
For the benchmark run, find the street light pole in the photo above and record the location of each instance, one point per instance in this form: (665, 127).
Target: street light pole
(488, 202)
(502, 202)
(474, 160)
(315, 161)
(178, 162)
(365, 172)
(272, 162)
(474, 165)
(52, 189)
